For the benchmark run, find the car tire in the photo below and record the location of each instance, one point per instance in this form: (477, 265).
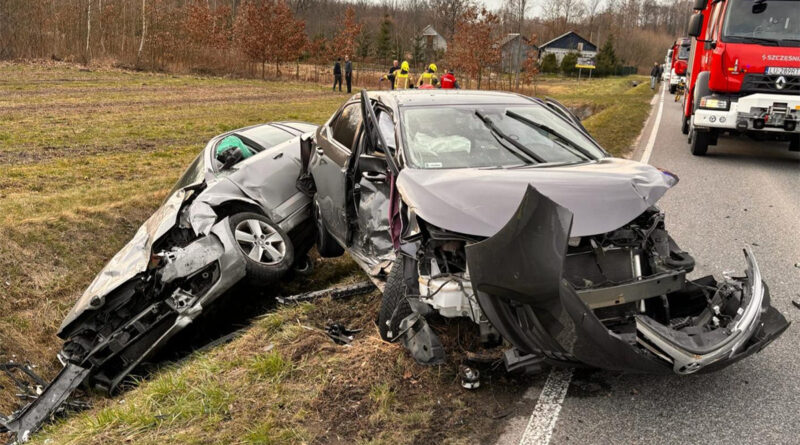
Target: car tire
(699, 142)
(685, 125)
(327, 246)
(394, 304)
(267, 250)
(672, 89)
(794, 142)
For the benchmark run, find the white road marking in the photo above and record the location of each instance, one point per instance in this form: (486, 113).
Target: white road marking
(648, 150)
(543, 419)
(545, 413)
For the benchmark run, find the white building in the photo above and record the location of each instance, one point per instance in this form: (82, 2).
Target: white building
(432, 40)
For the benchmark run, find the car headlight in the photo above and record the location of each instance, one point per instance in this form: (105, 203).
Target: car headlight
(714, 104)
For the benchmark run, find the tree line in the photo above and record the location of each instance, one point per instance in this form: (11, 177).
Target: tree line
(264, 37)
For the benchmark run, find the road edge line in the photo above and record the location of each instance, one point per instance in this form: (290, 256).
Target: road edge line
(545, 414)
(651, 142)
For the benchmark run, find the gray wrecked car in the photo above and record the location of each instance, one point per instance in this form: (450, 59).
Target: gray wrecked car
(502, 209)
(234, 214)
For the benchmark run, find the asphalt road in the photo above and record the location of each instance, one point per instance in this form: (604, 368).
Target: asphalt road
(742, 192)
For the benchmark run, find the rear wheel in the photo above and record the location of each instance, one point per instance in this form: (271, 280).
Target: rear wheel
(267, 250)
(327, 246)
(685, 125)
(394, 305)
(672, 89)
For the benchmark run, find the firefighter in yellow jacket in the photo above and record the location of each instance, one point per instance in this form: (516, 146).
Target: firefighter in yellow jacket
(429, 77)
(402, 77)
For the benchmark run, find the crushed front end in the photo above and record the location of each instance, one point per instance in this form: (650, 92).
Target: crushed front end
(619, 300)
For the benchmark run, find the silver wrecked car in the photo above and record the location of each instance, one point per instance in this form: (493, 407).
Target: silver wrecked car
(234, 214)
(502, 209)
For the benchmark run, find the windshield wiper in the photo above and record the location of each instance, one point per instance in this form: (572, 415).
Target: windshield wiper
(569, 144)
(529, 155)
(762, 40)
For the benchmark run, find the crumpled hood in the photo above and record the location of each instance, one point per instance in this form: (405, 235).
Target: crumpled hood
(131, 259)
(602, 195)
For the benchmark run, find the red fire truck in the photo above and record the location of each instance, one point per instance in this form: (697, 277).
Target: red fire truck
(744, 71)
(679, 63)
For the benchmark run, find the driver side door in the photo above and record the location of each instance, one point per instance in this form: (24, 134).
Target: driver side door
(329, 166)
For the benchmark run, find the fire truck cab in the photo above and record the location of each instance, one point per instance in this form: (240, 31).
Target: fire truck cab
(679, 63)
(744, 71)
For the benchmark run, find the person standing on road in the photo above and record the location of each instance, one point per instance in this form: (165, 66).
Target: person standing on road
(337, 74)
(390, 76)
(654, 73)
(348, 72)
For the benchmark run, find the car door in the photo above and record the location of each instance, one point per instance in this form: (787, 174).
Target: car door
(328, 166)
(371, 188)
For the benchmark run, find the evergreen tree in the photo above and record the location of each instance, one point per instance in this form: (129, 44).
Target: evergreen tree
(384, 46)
(568, 63)
(549, 63)
(607, 62)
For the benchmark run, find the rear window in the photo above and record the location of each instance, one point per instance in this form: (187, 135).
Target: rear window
(266, 135)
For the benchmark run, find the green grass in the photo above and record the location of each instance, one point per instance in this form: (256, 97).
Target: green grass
(87, 156)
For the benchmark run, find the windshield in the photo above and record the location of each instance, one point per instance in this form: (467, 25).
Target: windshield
(491, 136)
(770, 21)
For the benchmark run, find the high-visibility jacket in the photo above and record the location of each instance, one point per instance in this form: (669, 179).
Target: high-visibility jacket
(402, 80)
(448, 81)
(428, 78)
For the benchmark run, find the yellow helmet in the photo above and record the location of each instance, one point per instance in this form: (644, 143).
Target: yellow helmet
(432, 67)
(404, 66)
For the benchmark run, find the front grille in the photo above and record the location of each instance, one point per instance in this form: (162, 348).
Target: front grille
(762, 83)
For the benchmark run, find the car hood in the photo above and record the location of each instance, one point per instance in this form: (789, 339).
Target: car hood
(602, 195)
(130, 260)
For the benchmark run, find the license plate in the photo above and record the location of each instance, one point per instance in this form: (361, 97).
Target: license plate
(783, 71)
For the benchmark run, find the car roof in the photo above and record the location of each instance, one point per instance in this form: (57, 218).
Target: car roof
(417, 97)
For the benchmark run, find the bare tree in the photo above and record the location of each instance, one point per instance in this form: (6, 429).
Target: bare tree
(144, 30)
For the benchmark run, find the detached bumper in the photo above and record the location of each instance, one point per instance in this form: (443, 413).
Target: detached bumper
(756, 112)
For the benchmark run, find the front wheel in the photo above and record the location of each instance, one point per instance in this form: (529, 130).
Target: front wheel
(700, 141)
(267, 250)
(394, 305)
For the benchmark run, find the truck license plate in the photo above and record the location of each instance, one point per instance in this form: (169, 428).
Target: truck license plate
(783, 71)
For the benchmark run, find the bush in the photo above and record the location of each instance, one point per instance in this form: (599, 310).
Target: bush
(549, 63)
(568, 63)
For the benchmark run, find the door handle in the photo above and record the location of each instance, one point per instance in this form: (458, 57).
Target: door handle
(374, 176)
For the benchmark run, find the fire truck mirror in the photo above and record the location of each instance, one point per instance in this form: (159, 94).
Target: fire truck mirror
(696, 24)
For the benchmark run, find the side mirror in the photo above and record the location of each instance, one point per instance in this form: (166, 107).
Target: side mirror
(695, 25)
(700, 5)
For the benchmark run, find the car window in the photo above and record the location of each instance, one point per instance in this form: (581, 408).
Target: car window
(454, 136)
(386, 127)
(346, 125)
(266, 135)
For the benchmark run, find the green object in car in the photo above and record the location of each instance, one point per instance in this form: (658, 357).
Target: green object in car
(233, 141)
